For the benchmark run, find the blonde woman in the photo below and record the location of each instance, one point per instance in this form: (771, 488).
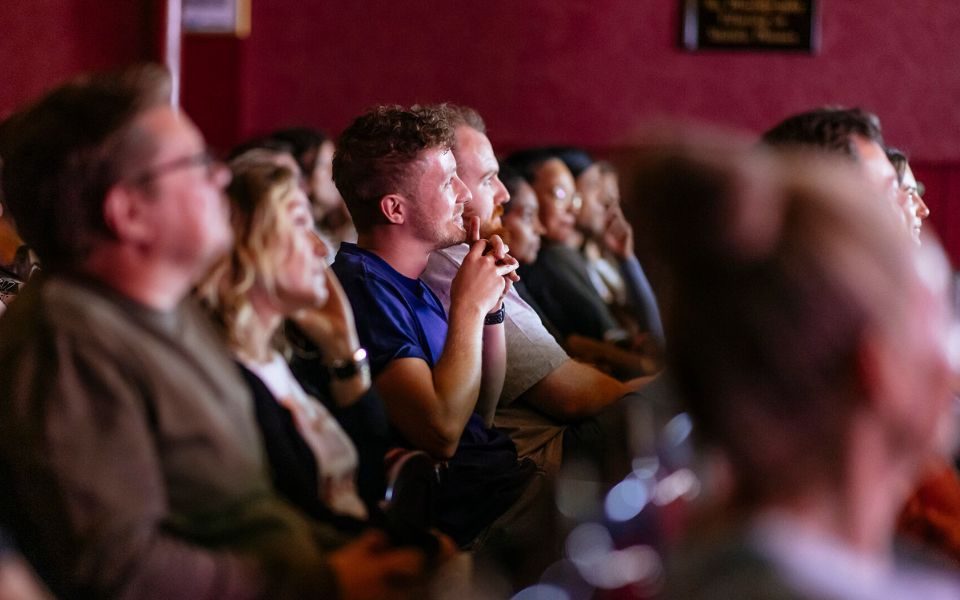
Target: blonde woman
(276, 271)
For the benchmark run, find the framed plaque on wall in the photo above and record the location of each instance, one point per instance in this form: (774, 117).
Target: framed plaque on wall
(759, 25)
(222, 17)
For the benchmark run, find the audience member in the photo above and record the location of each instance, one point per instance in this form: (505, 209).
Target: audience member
(560, 280)
(931, 514)
(276, 271)
(313, 151)
(606, 241)
(439, 378)
(129, 457)
(912, 191)
(550, 405)
(819, 372)
(850, 132)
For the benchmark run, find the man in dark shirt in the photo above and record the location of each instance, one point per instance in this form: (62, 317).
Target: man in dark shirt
(439, 375)
(130, 463)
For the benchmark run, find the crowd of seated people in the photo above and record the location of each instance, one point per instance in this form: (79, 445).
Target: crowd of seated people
(362, 368)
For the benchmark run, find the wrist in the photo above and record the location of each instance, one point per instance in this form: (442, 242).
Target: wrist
(356, 364)
(496, 317)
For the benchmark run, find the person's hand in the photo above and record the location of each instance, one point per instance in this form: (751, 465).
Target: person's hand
(486, 274)
(617, 233)
(369, 569)
(499, 250)
(331, 326)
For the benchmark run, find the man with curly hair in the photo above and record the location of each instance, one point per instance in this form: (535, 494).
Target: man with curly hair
(439, 373)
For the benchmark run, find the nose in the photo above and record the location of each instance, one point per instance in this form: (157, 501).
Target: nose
(922, 211)
(501, 196)
(463, 192)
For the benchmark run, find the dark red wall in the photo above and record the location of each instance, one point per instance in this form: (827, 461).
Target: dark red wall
(43, 42)
(587, 71)
(573, 71)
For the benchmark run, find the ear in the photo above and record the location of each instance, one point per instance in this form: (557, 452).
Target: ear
(393, 207)
(879, 374)
(124, 214)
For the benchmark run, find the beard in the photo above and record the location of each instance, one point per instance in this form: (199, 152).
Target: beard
(443, 235)
(494, 226)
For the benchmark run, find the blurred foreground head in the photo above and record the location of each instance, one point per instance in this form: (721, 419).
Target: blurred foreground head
(63, 154)
(800, 318)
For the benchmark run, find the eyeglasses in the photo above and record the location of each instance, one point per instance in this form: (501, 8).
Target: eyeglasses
(562, 198)
(200, 159)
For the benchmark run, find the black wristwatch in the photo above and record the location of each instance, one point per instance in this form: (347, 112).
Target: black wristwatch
(496, 318)
(345, 368)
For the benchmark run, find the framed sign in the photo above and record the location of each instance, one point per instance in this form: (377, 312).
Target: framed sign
(223, 17)
(760, 25)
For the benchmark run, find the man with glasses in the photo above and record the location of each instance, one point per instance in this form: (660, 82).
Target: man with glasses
(130, 462)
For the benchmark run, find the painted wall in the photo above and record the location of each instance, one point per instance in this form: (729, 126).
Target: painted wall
(572, 71)
(43, 42)
(587, 72)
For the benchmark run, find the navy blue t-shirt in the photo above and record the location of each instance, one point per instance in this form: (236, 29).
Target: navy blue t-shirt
(400, 317)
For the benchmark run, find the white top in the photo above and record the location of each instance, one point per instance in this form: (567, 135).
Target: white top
(532, 353)
(822, 566)
(334, 451)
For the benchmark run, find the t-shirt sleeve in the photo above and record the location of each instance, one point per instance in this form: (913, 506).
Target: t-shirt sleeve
(386, 324)
(532, 352)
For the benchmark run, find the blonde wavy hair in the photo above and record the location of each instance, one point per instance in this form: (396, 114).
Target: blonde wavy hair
(259, 190)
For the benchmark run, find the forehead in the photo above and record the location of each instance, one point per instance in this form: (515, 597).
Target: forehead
(171, 132)
(592, 175)
(553, 173)
(874, 160)
(908, 178)
(524, 197)
(435, 165)
(473, 150)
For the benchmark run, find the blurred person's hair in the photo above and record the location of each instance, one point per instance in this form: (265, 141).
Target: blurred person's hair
(258, 193)
(528, 161)
(458, 116)
(828, 129)
(380, 154)
(899, 161)
(266, 143)
(63, 153)
(577, 160)
(797, 268)
(261, 155)
(304, 143)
